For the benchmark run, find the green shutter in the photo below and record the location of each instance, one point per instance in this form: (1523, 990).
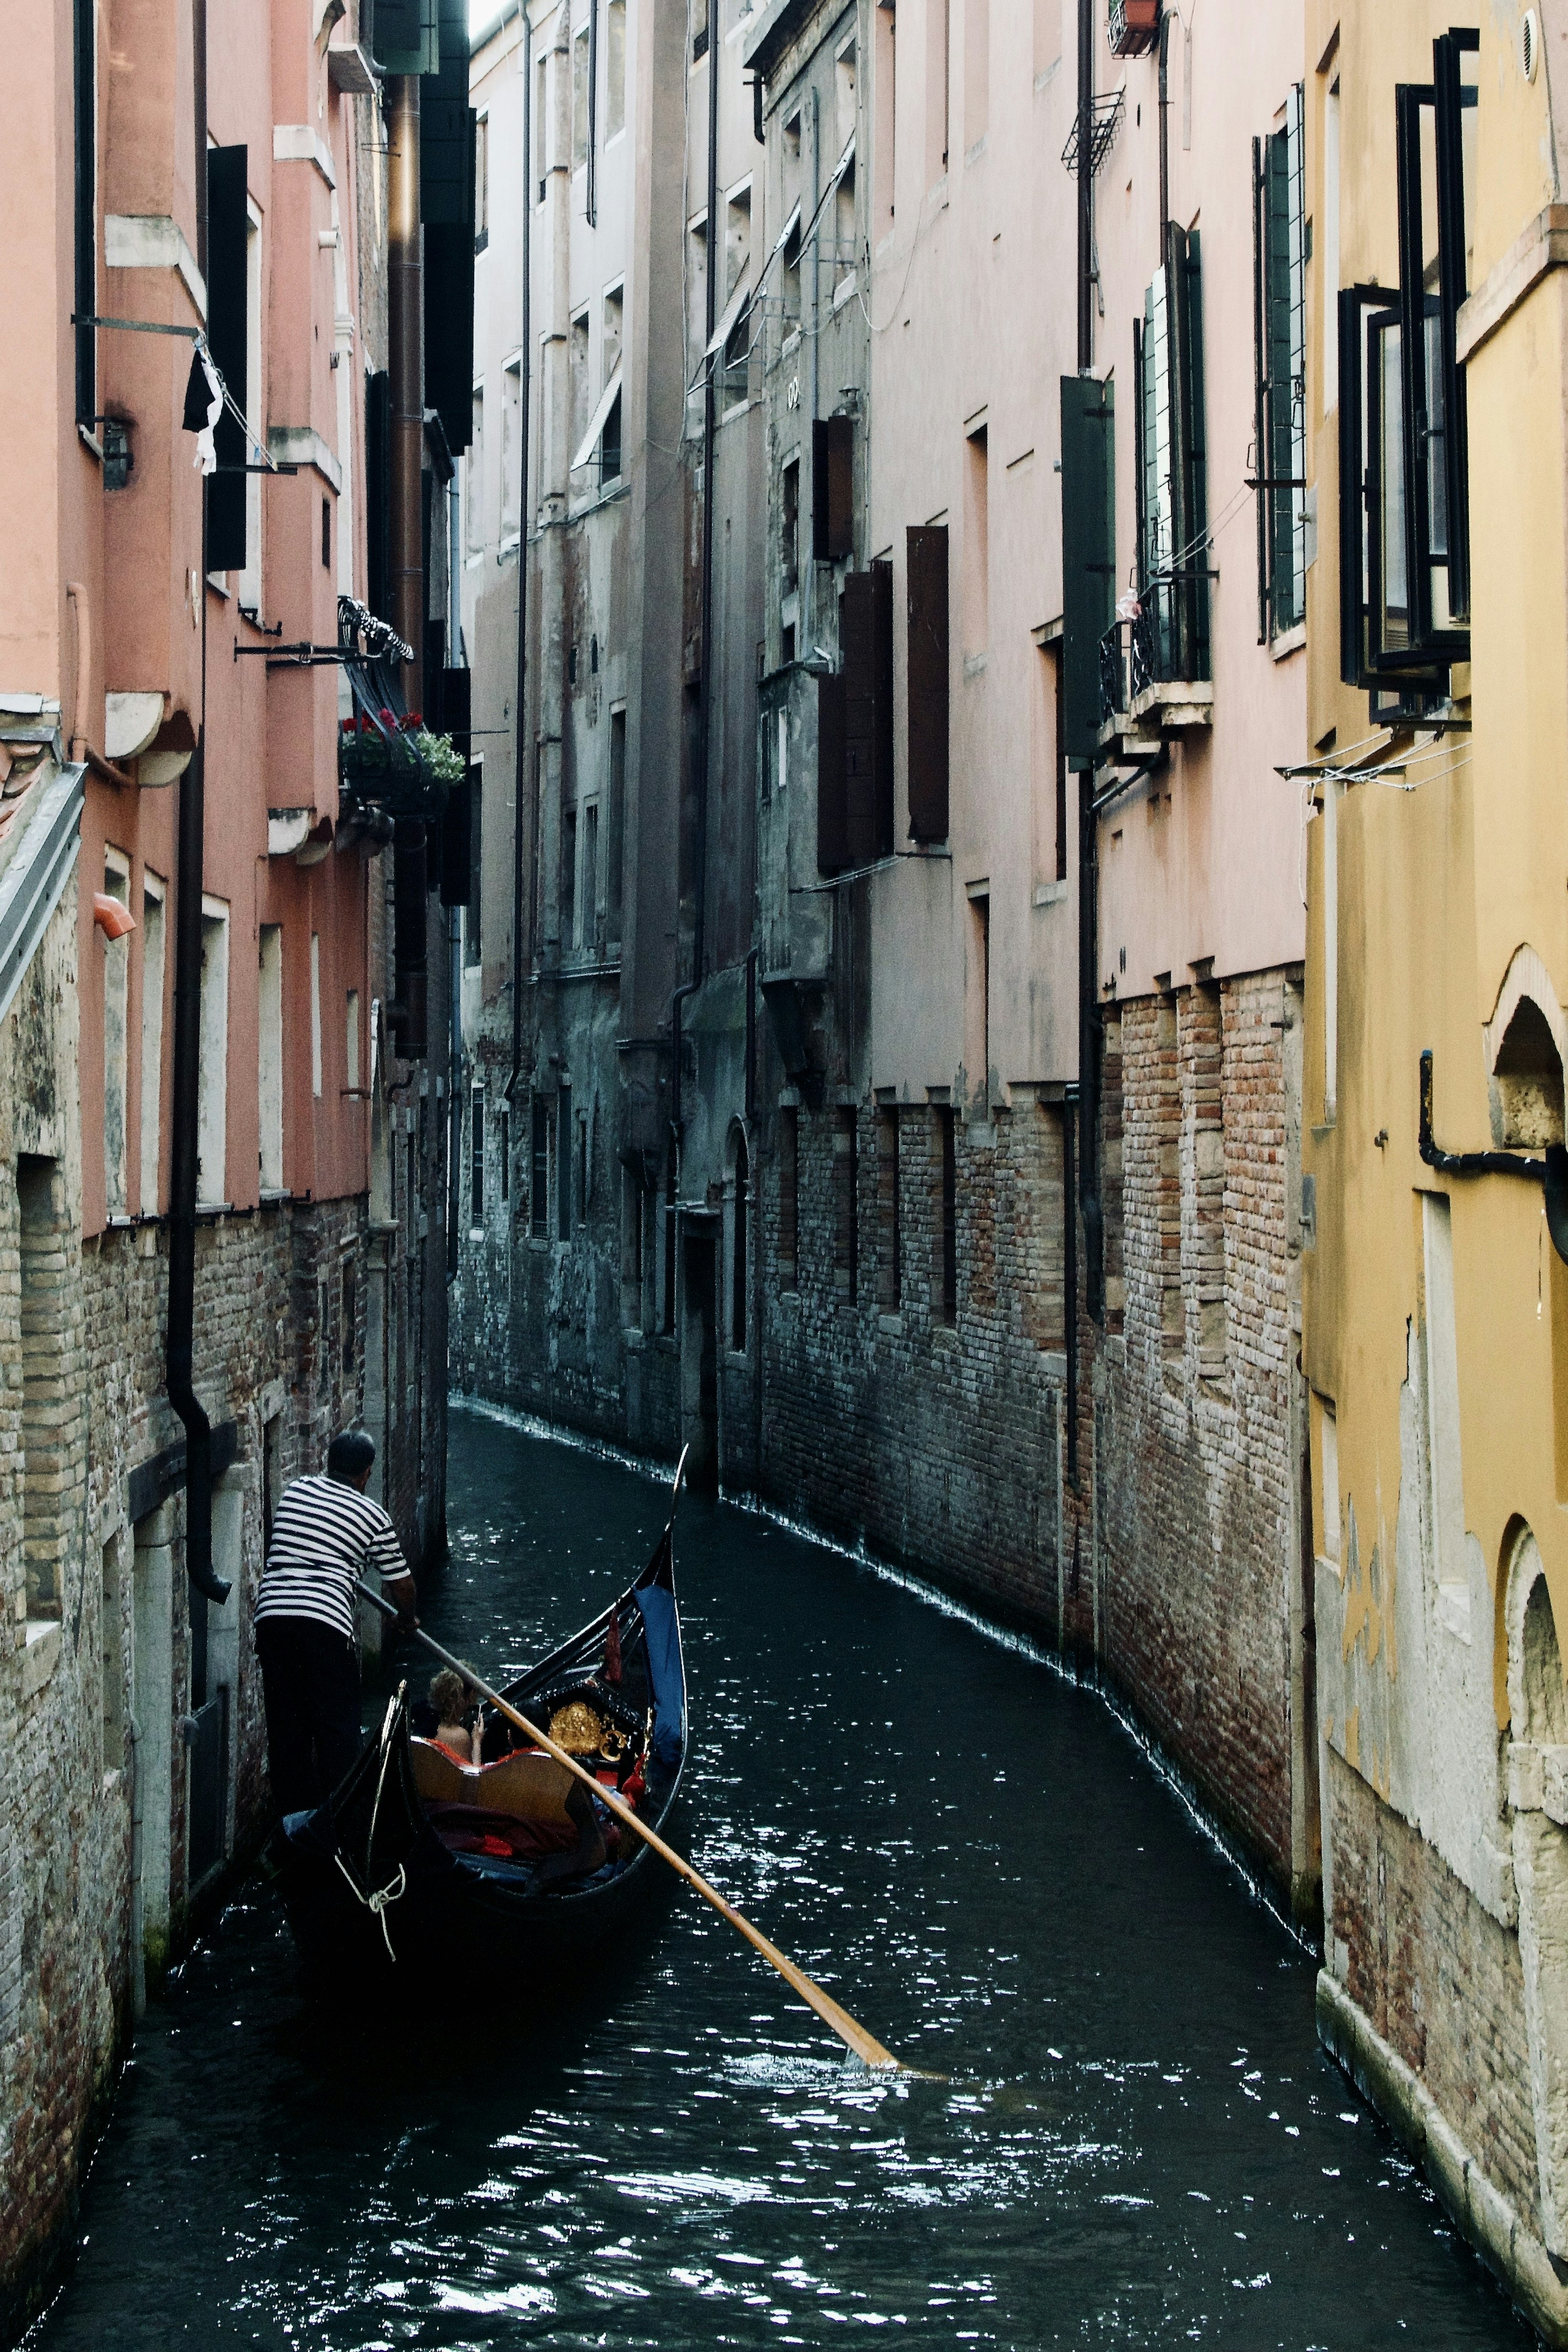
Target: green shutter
(1088, 554)
(1283, 457)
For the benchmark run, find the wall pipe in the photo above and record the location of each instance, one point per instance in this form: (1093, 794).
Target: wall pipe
(405, 348)
(1164, 137)
(519, 702)
(179, 1346)
(705, 697)
(1089, 1025)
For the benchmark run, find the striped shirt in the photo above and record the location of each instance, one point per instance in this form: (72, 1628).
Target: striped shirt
(324, 1536)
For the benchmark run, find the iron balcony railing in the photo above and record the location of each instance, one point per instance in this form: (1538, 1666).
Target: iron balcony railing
(1165, 638)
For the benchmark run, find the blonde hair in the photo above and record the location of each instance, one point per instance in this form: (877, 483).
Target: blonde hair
(449, 1696)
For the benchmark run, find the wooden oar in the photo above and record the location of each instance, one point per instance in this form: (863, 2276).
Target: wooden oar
(864, 2046)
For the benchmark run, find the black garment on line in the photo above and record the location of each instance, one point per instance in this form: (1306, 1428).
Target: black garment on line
(310, 1678)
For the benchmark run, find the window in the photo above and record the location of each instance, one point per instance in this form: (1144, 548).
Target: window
(512, 448)
(1171, 635)
(735, 379)
(846, 1219)
(152, 955)
(563, 1162)
(481, 182)
(542, 139)
(351, 1038)
(846, 241)
(889, 1251)
(476, 1161)
(789, 274)
(592, 904)
(615, 69)
(790, 159)
(1087, 555)
(48, 1503)
(854, 755)
(212, 1082)
(473, 472)
(980, 1003)
(699, 49)
(616, 822)
(116, 1052)
(739, 1245)
(977, 542)
(833, 488)
(538, 1170)
(569, 879)
(1403, 426)
(609, 444)
(1281, 429)
(250, 580)
(269, 1058)
(577, 384)
(612, 332)
(790, 529)
(316, 1012)
(944, 1302)
(579, 99)
(472, 935)
(789, 1196)
(928, 682)
(229, 340)
(1435, 125)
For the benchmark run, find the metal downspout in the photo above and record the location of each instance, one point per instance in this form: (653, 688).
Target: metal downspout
(519, 702)
(1089, 1021)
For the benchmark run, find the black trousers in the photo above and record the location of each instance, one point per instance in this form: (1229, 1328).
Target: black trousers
(310, 1680)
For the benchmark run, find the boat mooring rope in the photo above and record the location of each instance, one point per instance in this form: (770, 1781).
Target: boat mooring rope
(378, 1902)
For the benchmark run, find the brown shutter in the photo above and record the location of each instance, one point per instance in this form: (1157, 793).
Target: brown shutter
(833, 821)
(927, 620)
(833, 488)
(881, 577)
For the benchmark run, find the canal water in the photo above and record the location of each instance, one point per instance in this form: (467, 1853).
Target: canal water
(1131, 2138)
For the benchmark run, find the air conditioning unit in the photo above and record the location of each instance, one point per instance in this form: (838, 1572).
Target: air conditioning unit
(1133, 28)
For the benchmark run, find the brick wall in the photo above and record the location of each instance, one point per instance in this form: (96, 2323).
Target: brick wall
(1438, 1978)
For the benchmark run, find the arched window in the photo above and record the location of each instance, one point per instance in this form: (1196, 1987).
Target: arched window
(1528, 1075)
(739, 1244)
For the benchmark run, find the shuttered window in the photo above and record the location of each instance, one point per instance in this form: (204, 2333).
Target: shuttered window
(378, 492)
(865, 641)
(228, 340)
(928, 638)
(538, 1170)
(1173, 554)
(1431, 126)
(833, 488)
(1088, 554)
(1281, 315)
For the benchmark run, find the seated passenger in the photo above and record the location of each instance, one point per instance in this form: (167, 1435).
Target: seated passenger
(454, 1704)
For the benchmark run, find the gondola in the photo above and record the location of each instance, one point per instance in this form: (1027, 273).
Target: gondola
(414, 1860)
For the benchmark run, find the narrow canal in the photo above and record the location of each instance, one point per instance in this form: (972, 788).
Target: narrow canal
(1135, 2140)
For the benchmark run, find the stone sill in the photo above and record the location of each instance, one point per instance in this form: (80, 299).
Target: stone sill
(41, 1655)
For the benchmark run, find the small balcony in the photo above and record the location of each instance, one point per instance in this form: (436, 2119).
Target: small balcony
(1133, 28)
(1155, 663)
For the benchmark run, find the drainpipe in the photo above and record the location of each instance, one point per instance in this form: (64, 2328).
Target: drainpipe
(1089, 1021)
(1165, 135)
(520, 701)
(179, 1356)
(1085, 185)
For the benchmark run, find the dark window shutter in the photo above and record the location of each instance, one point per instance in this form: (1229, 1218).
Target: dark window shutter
(881, 576)
(1088, 554)
(865, 639)
(833, 488)
(1187, 368)
(227, 340)
(456, 845)
(926, 608)
(398, 26)
(833, 821)
(378, 491)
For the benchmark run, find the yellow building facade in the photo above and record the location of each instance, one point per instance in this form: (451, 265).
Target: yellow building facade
(1435, 808)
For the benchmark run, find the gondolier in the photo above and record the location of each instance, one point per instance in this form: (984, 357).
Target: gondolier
(327, 1531)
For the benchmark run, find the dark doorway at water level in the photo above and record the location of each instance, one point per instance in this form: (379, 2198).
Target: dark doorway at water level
(699, 1354)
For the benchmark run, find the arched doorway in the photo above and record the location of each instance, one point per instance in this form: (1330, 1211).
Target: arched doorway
(1538, 1801)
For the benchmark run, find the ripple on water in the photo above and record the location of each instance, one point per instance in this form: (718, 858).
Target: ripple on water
(1139, 2143)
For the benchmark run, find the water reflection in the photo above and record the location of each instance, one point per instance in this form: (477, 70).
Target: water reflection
(1138, 2142)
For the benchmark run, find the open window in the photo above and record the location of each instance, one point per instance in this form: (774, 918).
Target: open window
(1171, 640)
(1378, 651)
(1403, 447)
(1431, 126)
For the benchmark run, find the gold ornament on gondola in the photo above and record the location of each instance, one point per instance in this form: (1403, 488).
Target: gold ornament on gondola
(581, 1730)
